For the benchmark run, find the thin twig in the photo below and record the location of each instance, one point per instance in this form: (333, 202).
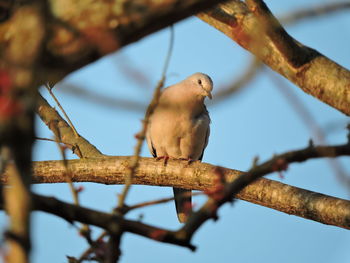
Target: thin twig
(53, 140)
(68, 173)
(84, 230)
(73, 147)
(64, 159)
(49, 89)
(142, 134)
(81, 147)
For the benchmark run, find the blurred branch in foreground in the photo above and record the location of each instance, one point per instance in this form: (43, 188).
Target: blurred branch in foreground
(141, 135)
(242, 81)
(18, 83)
(136, 75)
(101, 99)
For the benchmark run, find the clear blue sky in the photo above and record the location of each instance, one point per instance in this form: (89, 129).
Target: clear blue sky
(257, 121)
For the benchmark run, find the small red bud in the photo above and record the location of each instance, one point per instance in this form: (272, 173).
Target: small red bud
(280, 165)
(79, 189)
(158, 234)
(5, 82)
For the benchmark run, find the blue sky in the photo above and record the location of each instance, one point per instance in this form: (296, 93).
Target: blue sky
(257, 121)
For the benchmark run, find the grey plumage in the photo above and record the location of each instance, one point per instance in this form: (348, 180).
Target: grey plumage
(179, 127)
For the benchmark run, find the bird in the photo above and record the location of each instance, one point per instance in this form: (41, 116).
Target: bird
(179, 128)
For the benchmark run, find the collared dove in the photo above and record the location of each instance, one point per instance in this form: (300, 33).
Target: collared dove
(179, 128)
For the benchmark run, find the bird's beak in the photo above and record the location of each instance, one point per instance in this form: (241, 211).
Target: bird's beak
(208, 94)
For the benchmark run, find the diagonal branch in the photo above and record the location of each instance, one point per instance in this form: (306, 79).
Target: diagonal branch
(253, 26)
(64, 132)
(109, 222)
(311, 207)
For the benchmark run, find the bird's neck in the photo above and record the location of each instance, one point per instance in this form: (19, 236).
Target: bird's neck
(191, 106)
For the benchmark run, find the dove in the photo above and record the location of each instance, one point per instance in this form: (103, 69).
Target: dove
(179, 128)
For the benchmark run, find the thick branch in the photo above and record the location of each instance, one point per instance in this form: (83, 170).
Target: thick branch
(238, 84)
(201, 176)
(91, 31)
(80, 33)
(253, 27)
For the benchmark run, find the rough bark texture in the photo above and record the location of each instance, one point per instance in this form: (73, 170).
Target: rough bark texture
(198, 176)
(254, 28)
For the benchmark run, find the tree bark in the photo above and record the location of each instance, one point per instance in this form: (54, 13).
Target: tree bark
(197, 176)
(254, 27)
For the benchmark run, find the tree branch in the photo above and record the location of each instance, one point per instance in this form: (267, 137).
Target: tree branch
(75, 40)
(316, 209)
(201, 176)
(79, 33)
(110, 222)
(253, 27)
(18, 84)
(145, 122)
(223, 185)
(226, 92)
(64, 132)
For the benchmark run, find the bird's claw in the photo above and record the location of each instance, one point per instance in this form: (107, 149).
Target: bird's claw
(165, 158)
(189, 160)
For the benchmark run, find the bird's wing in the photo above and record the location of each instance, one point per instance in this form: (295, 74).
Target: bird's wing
(149, 141)
(206, 114)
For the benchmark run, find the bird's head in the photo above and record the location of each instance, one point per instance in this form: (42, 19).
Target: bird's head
(202, 83)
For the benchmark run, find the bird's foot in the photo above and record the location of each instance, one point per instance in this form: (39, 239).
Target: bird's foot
(165, 158)
(189, 160)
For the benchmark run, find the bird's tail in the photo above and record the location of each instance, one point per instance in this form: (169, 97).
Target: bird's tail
(183, 203)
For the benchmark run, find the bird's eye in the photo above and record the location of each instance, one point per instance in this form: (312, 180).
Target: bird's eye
(199, 82)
